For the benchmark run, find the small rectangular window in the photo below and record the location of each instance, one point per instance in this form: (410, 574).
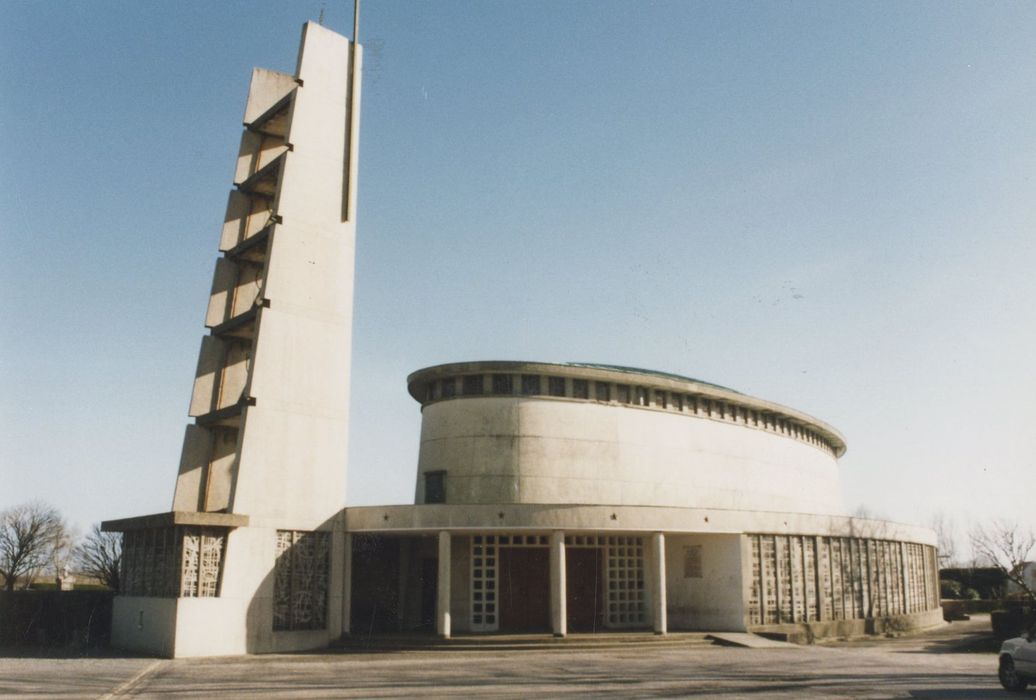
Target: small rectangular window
(472, 384)
(623, 392)
(660, 399)
(678, 402)
(602, 391)
(642, 396)
(449, 387)
(435, 487)
(692, 565)
(556, 386)
(531, 384)
(503, 384)
(580, 389)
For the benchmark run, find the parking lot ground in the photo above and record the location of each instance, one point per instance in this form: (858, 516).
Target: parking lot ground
(929, 665)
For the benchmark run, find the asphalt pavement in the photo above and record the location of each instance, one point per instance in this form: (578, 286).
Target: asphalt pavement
(955, 661)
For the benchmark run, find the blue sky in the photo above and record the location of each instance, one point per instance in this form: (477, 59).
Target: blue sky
(828, 205)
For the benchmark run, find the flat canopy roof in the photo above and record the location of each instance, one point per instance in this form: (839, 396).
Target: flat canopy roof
(175, 517)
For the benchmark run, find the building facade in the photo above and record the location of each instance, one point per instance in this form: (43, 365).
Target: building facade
(549, 498)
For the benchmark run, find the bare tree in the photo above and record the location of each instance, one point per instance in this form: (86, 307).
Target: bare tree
(29, 535)
(1007, 546)
(946, 536)
(100, 556)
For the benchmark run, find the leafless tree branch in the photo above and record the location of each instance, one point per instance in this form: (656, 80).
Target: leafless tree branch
(31, 535)
(1007, 546)
(100, 556)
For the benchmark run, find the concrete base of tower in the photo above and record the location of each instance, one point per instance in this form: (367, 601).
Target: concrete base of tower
(205, 592)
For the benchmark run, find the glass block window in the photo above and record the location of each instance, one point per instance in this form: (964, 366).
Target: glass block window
(300, 583)
(531, 384)
(503, 384)
(472, 385)
(556, 386)
(625, 564)
(602, 391)
(484, 567)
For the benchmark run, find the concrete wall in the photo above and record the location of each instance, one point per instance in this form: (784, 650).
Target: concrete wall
(146, 625)
(545, 450)
(713, 602)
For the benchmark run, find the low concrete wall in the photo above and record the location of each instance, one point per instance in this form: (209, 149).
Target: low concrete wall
(145, 625)
(806, 632)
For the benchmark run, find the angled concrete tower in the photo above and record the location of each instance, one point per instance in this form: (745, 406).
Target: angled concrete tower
(250, 558)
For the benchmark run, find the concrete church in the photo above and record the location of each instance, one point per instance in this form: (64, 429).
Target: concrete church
(550, 497)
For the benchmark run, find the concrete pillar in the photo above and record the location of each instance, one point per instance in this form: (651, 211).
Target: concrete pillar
(347, 585)
(658, 599)
(558, 585)
(442, 608)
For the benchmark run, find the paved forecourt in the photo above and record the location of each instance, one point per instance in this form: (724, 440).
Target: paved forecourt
(924, 666)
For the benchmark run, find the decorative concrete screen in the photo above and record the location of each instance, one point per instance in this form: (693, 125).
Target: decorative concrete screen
(172, 562)
(808, 579)
(301, 580)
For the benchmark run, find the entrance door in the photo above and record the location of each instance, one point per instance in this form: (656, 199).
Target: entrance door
(524, 589)
(585, 594)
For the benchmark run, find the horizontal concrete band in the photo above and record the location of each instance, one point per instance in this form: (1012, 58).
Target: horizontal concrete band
(630, 519)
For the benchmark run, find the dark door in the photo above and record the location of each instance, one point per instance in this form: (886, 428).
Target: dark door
(524, 589)
(429, 592)
(585, 595)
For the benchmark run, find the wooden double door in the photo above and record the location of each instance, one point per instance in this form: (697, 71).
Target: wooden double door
(524, 595)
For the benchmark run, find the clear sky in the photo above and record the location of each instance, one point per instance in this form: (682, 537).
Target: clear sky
(827, 205)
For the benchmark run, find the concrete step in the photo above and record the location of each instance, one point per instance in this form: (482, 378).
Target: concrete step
(517, 642)
(749, 640)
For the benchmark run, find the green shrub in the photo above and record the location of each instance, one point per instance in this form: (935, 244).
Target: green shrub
(949, 588)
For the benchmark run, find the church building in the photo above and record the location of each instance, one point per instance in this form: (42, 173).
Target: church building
(550, 498)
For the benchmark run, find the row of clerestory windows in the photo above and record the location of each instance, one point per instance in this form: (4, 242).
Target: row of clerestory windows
(501, 384)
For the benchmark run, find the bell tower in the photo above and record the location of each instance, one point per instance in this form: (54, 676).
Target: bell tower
(250, 557)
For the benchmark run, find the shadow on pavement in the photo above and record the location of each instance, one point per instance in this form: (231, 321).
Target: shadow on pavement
(24, 651)
(968, 693)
